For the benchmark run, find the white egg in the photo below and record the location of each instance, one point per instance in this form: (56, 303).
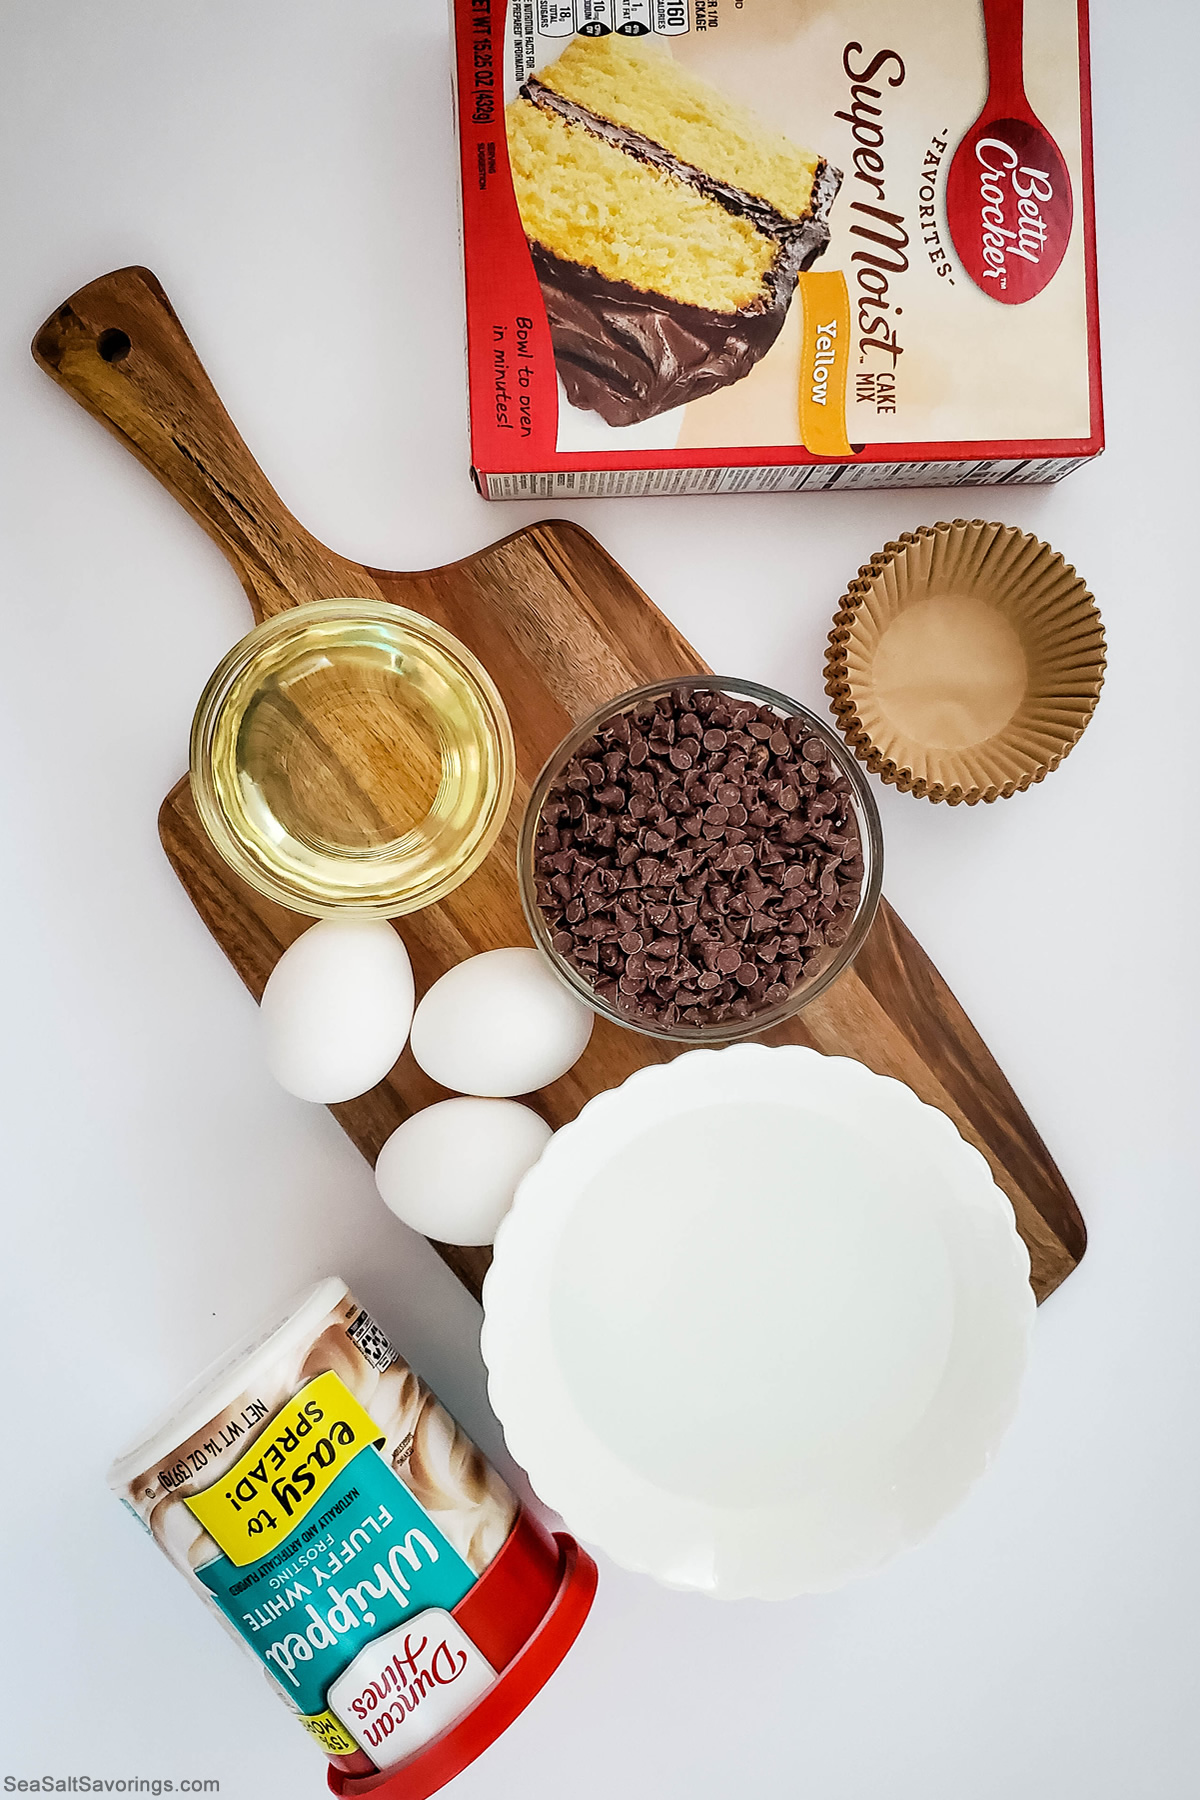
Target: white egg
(337, 1008)
(452, 1169)
(500, 1023)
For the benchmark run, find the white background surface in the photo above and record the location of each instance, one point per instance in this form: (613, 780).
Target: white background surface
(287, 169)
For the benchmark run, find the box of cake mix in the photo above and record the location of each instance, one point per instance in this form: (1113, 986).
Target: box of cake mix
(718, 246)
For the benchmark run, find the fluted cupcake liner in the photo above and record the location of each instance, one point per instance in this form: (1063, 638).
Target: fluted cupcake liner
(965, 661)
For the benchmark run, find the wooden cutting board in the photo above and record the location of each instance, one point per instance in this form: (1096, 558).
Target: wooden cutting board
(562, 629)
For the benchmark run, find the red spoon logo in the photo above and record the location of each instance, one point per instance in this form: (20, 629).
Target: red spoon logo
(1008, 194)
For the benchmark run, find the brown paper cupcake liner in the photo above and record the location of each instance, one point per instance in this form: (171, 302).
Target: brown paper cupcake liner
(965, 661)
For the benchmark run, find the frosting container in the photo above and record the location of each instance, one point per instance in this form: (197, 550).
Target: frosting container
(317, 1496)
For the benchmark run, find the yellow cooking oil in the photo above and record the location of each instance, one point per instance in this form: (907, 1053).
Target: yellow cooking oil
(351, 755)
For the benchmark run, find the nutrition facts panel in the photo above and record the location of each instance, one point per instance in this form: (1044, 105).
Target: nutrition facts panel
(596, 18)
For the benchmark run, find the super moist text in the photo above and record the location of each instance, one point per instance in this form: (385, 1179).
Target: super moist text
(874, 223)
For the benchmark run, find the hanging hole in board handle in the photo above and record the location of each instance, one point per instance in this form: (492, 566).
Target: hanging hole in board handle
(113, 346)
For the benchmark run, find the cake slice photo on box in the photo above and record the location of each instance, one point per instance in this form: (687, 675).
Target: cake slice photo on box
(667, 225)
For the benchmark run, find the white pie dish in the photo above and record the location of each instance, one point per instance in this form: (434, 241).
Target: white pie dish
(757, 1321)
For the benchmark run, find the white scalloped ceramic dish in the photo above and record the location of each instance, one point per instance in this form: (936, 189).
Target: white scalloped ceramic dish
(757, 1321)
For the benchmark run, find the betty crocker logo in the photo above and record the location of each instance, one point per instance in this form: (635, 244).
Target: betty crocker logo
(1009, 207)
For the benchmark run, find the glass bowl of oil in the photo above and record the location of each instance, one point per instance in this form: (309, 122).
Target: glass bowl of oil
(351, 756)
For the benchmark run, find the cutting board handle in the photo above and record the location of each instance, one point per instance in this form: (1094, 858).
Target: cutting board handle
(117, 346)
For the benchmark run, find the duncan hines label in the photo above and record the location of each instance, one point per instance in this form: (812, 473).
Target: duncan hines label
(722, 245)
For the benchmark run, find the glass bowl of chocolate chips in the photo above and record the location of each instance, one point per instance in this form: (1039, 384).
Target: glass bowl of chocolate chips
(700, 859)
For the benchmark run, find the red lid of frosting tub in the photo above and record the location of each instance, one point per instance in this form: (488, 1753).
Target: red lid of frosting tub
(521, 1617)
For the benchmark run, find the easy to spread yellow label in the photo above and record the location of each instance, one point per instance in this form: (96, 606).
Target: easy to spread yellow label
(824, 361)
(330, 1733)
(286, 1470)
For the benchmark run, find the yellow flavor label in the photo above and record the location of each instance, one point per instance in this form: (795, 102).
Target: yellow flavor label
(330, 1733)
(285, 1471)
(824, 361)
